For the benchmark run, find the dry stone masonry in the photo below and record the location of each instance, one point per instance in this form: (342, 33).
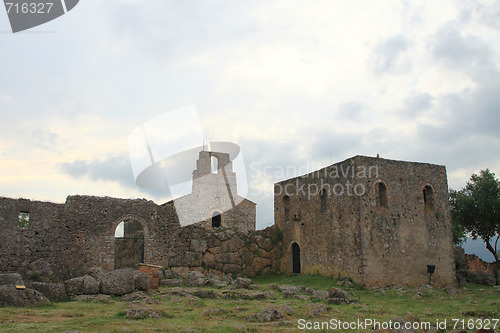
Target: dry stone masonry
(375, 220)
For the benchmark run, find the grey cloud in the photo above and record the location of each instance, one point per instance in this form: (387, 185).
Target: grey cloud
(112, 169)
(389, 55)
(458, 51)
(475, 10)
(115, 168)
(417, 103)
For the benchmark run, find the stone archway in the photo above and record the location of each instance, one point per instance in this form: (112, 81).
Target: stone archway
(130, 245)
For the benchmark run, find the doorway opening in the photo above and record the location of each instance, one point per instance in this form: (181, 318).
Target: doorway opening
(295, 258)
(129, 244)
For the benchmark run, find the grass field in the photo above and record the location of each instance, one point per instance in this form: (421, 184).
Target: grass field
(475, 305)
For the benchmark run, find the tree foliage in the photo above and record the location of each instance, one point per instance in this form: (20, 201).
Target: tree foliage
(476, 209)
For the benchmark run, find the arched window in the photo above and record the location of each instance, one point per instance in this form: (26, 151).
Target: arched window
(323, 200)
(286, 207)
(214, 164)
(428, 196)
(216, 220)
(382, 194)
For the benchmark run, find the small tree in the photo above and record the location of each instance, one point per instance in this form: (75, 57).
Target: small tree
(476, 208)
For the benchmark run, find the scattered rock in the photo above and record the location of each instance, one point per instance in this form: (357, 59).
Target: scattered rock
(302, 297)
(205, 293)
(338, 293)
(135, 296)
(53, 291)
(424, 290)
(141, 281)
(318, 310)
(242, 283)
(345, 283)
(195, 279)
(118, 282)
(451, 290)
(286, 309)
(307, 290)
(338, 301)
(142, 313)
(209, 312)
(289, 290)
(83, 285)
(10, 296)
(320, 294)
(266, 315)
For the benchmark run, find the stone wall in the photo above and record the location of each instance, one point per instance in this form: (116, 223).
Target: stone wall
(477, 265)
(80, 234)
(366, 218)
(227, 250)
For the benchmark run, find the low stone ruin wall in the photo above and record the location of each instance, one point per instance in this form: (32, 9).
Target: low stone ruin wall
(471, 268)
(226, 250)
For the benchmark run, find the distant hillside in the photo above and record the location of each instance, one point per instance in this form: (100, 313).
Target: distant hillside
(478, 247)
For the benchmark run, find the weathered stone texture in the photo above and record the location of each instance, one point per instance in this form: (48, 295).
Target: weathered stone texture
(64, 241)
(371, 223)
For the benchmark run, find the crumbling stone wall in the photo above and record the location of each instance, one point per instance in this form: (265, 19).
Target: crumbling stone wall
(80, 234)
(227, 250)
(370, 223)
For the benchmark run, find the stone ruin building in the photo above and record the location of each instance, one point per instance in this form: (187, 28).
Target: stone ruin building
(387, 234)
(374, 220)
(214, 197)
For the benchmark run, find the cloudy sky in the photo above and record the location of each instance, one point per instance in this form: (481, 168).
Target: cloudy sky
(297, 84)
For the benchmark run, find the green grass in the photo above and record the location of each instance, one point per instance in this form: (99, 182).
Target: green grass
(180, 313)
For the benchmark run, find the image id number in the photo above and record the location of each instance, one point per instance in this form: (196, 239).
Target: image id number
(29, 7)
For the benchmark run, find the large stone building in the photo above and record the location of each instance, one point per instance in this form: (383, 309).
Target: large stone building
(375, 220)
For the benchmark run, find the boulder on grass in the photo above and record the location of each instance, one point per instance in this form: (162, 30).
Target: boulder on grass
(266, 315)
(83, 285)
(53, 291)
(289, 290)
(118, 282)
(195, 279)
(242, 283)
(141, 281)
(10, 296)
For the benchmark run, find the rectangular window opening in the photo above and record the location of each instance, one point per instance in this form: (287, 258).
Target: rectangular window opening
(24, 220)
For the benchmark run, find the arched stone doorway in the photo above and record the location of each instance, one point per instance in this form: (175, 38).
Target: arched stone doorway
(129, 243)
(295, 258)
